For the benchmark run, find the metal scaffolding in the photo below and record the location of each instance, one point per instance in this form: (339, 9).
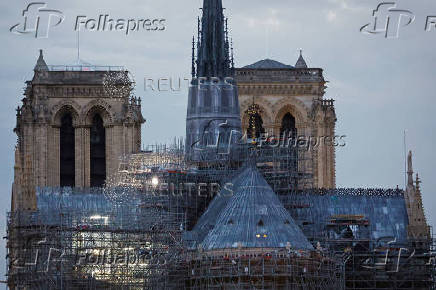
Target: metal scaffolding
(367, 229)
(133, 233)
(80, 240)
(263, 269)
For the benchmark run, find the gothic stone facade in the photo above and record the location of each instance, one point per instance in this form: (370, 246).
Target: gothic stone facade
(75, 97)
(295, 93)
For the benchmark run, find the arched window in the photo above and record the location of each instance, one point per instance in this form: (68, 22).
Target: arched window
(98, 152)
(255, 123)
(67, 154)
(288, 126)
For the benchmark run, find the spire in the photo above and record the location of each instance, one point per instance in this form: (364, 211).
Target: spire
(213, 59)
(193, 57)
(301, 63)
(232, 57)
(40, 63)
(409, 169)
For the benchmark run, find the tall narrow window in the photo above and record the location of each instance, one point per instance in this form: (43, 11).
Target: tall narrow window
(67, 156)
(207, 99)
(288, 126)
(288, 131)
(98, 152)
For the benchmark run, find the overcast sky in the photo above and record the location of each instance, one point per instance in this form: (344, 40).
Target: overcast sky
(381, 86)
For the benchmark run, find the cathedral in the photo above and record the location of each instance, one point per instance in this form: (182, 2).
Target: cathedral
(91, 210)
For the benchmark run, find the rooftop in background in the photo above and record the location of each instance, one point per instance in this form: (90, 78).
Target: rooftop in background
(78, 65)
(84, 68)
(272, 71)
(268, 64)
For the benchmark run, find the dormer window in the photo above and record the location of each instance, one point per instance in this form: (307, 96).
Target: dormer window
(260, 223)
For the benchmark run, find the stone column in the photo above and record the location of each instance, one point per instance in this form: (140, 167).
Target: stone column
(53, 156)
(110, 157)
(86, 149)
(56, 156)
(79, 158)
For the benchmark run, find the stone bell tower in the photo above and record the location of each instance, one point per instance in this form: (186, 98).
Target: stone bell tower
(74, 124)
(290, 102)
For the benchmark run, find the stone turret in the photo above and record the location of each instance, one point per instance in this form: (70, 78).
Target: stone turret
(40, 63)
(418, 228)
(301, 63)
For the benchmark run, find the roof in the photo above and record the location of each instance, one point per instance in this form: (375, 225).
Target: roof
(268, 64)
(386, 214)
(301, 63)
(253, 217)
(40, 63)
(209, 218)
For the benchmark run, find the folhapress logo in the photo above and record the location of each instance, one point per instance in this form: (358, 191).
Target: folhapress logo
(388, 20)
(38, 19)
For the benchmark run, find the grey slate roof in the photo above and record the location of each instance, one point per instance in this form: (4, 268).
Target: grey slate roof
(387, 215)
(301, 63)
(253, 217)
(209, 218)
(40, 63)
(268, 64)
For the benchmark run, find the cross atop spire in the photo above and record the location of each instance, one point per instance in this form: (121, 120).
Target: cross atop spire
(213, 58)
